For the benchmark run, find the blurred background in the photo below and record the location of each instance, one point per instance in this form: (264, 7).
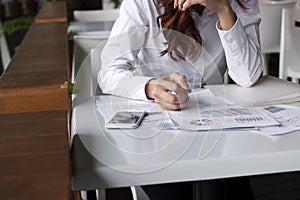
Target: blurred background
(16, 17)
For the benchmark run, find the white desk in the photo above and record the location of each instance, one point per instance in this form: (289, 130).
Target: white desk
(130, 158)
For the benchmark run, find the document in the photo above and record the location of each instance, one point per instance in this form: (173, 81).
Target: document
(287, 115)
(207, 112)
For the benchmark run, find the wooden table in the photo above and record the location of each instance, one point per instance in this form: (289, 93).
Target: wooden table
(36, 79)
(52, 12)
(34, 113)
(34, 156)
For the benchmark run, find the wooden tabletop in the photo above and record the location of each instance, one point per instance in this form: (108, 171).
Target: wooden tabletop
(34, 113)
(52, 12)
(36, 79)
(34, 156)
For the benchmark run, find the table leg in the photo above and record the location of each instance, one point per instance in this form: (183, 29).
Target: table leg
(91, 195)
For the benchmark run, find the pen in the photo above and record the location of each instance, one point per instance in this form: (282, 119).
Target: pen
(154, 113)
(176, 92)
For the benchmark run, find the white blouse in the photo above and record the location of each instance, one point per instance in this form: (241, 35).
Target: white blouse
(131, 56)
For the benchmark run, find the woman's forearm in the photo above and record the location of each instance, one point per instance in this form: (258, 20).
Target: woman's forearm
(227, 18)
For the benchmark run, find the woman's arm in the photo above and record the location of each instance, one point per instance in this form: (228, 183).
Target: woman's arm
(221, 7)
(120, 55)
(241, 41)
(120, 60)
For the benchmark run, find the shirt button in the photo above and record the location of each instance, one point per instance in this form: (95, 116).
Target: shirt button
(239, 63)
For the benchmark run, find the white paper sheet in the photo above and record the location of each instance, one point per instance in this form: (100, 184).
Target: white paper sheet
(208, 112)
(287, 115)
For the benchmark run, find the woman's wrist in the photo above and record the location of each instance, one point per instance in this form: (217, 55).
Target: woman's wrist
(149, 88)
(227, 18)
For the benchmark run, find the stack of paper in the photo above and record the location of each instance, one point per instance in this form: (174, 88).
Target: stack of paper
(207, 112)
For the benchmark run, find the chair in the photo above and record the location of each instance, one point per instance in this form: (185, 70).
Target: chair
(85, 68)
(137, 192)
(96, 15)
(5, 54)
(270, 12)
(81, 76)
(290, 45)
(81, 63)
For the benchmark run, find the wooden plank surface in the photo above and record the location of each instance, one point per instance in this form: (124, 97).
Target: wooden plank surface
(35, 98)
(52, 12)
(34, 113)
(37, 77)
(34, 156)
(42, 58)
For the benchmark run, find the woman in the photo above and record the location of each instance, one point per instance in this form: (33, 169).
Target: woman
(161, 49)
(227, 31)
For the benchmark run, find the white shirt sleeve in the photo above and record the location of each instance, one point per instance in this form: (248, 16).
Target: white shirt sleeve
(120, 54)
(241, 45)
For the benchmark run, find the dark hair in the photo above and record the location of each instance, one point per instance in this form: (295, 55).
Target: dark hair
(174, 21)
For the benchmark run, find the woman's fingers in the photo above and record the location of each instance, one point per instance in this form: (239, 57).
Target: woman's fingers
(168, 100)
(174, 87)
(170, 92)
(175, 3)
(186, 5)
(180, 3)
(172, 98)
(174, 82)
(180, 79)
(172, 106)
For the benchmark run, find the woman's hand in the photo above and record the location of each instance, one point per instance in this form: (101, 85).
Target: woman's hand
(217, 6)
(221, 7)
(170, 92)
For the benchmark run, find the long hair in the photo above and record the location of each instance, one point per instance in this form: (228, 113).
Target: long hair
(174, 21)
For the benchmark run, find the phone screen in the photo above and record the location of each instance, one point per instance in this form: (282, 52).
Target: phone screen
(126, 119)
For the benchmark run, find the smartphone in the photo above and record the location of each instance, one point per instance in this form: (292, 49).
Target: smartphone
(126, 119)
